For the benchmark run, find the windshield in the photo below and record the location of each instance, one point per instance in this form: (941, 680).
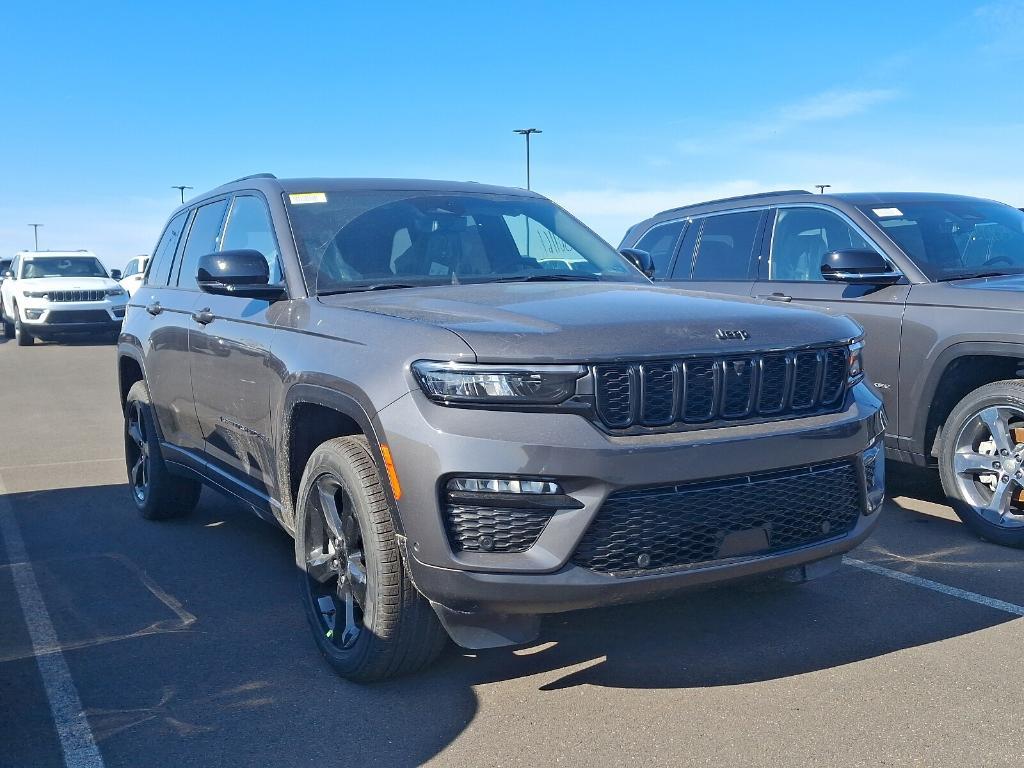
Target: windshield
(73, 266)
(951, 239)
(351, 241)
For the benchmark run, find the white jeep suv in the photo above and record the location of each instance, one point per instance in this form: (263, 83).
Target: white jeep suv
(50, 293)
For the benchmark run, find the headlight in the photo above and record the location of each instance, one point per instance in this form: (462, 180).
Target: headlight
(469, 383)
(854, 366)
(115, 291)
(34, 294)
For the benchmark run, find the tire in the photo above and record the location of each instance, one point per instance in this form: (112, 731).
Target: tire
(158, 495)
(352, 567)
(8, 329)
(22, 337)
(983, 476)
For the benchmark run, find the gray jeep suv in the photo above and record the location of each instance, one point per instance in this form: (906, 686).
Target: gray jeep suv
(937, 282)
(469, 410)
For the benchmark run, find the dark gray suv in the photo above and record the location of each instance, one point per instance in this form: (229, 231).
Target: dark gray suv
(469, 410)
(937, 282)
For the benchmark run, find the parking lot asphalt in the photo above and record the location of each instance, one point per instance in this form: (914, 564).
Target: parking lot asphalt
(184, 643)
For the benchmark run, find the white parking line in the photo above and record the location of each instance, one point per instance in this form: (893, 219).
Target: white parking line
(917, 581)
(76, 740)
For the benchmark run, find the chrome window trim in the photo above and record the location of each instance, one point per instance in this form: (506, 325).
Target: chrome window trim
(849, 222)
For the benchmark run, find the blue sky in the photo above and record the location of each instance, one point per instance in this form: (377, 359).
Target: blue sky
(644, 105)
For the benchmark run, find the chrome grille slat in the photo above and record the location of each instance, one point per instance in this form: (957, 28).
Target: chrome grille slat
(664, 395)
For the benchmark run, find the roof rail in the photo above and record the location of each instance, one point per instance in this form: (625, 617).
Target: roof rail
(753, 196)
(254, 176)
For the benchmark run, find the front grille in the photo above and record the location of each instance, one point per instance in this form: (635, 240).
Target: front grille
(670, 394)
(71, 316)
(491, 529)
(76, 295)
(671, 527)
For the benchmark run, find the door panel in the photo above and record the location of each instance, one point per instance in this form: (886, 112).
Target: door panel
(799, 239)
(233, 371)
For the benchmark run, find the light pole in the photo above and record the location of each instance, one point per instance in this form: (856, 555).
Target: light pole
(181, 188)
(35, 232)
(527, 132)
(822, 188)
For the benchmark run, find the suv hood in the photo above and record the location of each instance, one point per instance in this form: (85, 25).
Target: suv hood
(66, 283)
(589, 322)
(1003, 292)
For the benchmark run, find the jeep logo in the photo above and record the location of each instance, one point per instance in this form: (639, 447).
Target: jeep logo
(731, 335)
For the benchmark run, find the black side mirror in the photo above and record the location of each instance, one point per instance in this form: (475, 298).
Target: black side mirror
(242, 273)
(858, 266)
(115, 274)
(640, 259)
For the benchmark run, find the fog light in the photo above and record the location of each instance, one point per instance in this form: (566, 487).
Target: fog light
(501, 485)
(34, 314)
(873, 461)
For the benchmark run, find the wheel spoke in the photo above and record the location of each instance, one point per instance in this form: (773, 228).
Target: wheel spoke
(329, 507)
(135, 433)
(999, 427)
(999, 504)
(139, 472)
(356, 578)
(970, 463)
(351, 627)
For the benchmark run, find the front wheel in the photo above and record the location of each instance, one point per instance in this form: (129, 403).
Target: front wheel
(367, 618)
(981, 461)
(21, 336)
(158, 495)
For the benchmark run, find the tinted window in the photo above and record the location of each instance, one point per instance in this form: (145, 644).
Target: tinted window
(953, 238)
(802, 237)
(249, 227)
(350, 241)
(726, 245)
(660, 242)
(203, 238)
(16, 265)
(71, 266)
(160, 264)
(131, 268)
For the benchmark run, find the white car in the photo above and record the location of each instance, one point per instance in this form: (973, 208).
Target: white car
(49, 293)
(134, 272)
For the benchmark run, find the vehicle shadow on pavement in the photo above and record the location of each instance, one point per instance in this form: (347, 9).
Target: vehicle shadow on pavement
(242, 682)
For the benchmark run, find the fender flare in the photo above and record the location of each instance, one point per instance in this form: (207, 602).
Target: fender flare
(925, 395)
(340, 396)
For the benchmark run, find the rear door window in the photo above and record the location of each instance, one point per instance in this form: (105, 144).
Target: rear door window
(163, 254)
(203, 238)
(726, 246)
(660, 241)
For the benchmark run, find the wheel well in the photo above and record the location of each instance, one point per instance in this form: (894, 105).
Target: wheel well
(129, 371)
(964, 375)
(310, 425)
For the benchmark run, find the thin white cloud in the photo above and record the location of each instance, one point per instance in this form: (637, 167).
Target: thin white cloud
(835, 104)
(1003, 23)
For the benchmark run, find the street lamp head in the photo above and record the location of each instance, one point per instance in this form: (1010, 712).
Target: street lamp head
(526, 131)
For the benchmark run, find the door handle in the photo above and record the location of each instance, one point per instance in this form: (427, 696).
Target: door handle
(203, 316)
(154, 308)
(775, 296)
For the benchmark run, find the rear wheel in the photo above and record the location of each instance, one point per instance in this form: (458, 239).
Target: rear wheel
(367, 618)
(21, 336)
(158, 495)
(981, 461)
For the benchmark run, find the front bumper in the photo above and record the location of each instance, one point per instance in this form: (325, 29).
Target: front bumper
(429, 443)
(43, 319)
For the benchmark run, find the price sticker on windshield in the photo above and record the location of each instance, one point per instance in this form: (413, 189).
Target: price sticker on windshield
(886, 213)
(304, 198)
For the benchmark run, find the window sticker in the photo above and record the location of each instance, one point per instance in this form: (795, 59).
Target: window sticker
(884, 213)
(304, 198)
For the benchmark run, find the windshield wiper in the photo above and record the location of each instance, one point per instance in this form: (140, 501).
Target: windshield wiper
(973, 275)
(374, 287)
(545, 277)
